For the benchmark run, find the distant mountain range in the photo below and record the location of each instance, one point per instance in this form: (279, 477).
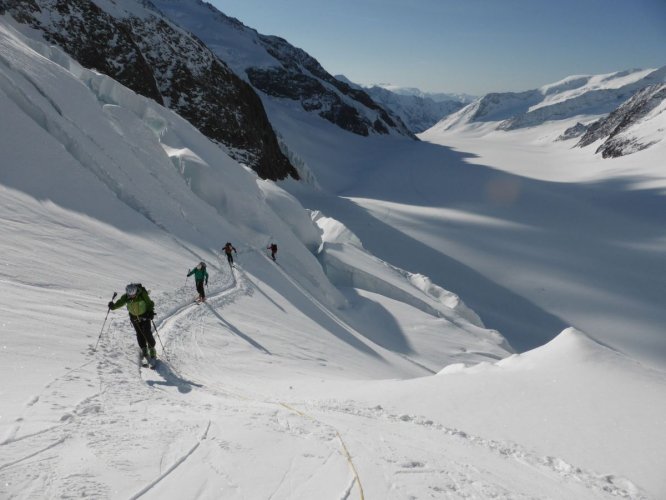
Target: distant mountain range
(435, 96)
(219, 74)
(608, 106)
(418, 110)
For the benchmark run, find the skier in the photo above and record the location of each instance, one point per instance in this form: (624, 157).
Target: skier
(273, 248)
(141, 312)
(200, 277)
(228, 248)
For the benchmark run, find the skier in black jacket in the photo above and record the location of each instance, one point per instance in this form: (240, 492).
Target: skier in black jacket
(228, 248)
(273, 248)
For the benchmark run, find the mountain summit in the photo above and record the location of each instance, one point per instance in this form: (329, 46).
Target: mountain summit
(607, 98)
(280, 71)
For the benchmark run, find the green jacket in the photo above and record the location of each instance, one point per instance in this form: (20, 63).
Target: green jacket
(138, 306)
(199, 274)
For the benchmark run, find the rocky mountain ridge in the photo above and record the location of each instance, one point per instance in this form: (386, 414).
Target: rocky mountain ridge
(573, 96)
(281, 71)
(606, 105)
(616, 128)
(435, 96)
(132, 42)
(415, 108)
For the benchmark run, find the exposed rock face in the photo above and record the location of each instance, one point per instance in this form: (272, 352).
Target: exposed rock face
(583, 96)
(593, 95)
(134, 44)
(573, 132)
(617, 127)
(418, 113)
(281, 71)
(300, 77)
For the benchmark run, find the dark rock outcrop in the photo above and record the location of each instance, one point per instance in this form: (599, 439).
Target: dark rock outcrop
(615, 126)
(573, 132)
(280, 71)
(147, 53)
(572, 97)
(418, 113)
(300, 77)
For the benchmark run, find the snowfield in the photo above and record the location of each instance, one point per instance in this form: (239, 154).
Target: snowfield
(358, 365)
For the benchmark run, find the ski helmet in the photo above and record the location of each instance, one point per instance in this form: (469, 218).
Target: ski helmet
(131, 290)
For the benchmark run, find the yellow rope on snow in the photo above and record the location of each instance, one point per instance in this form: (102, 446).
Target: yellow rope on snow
(342, 443)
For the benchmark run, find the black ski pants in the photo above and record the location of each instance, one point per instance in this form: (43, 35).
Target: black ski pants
(144, 334)
(230, 258)
(200, 288)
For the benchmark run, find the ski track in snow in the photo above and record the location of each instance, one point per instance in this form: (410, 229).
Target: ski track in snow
(600, 483)
(96, 416)
(464, 475)
(173, 466)
(186, 315)
(112, 415)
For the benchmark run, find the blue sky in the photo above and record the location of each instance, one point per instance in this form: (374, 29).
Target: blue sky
(473, 46)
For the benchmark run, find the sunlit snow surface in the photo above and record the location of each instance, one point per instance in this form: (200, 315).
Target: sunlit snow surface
(374, 381)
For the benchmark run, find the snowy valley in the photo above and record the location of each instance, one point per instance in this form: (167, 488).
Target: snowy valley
(474, 314)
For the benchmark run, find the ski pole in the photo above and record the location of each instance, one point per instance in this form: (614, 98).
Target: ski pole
(103, 324)
(166, 355)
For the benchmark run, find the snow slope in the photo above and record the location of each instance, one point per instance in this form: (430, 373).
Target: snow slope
(530, 257)
(286, 384)
(532, 235)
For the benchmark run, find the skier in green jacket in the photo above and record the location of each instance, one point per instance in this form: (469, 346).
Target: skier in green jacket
(200, 277)
(141, 312)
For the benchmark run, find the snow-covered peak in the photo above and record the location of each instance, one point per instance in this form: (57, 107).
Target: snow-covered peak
(577, 84)
(413, 91)
(283, 72)
(576, 101)
(419, 113)
(235, 43)
(418, 110)
(573, 96)
(635, 125)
